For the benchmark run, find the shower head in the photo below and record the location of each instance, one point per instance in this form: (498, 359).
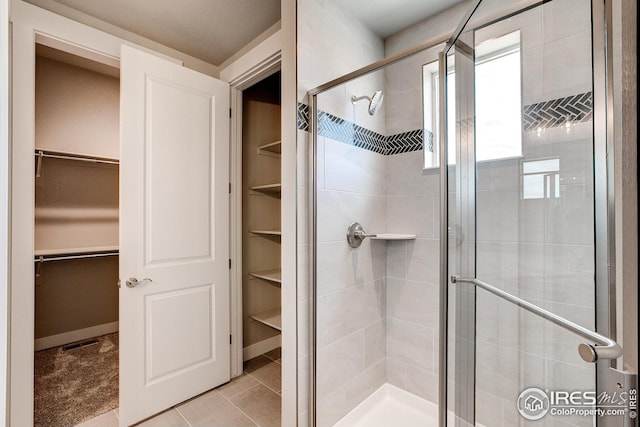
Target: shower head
(375, 101)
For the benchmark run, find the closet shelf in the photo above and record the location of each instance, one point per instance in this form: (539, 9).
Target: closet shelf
(271, 318)
(62, 257)
(266, 232)
(273, 149)
(75, 251)
(271, 189)
(80, 157)
(77, 214)
(273, 276)
(391, 236)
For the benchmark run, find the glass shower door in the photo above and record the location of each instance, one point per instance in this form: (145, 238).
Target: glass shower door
(526, 210)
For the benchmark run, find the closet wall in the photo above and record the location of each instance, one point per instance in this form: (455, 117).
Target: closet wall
(261, 215)
(76, 206)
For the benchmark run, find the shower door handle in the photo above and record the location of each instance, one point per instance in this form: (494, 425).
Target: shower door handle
(132, 282)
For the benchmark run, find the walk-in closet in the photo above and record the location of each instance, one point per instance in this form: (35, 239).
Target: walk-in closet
(261, 230)
(76, 238)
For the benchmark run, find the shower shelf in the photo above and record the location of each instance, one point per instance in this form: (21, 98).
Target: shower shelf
(390, 236)
(273, 276)
(271, 318)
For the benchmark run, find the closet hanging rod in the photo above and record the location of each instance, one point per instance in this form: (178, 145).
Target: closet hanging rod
(79, 256)
(41, 154)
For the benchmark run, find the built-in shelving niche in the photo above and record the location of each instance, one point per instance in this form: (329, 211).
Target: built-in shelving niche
(262, 149)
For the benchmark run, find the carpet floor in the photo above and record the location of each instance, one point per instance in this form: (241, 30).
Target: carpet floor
(75, 385)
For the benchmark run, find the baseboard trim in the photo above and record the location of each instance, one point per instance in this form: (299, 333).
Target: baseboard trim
(73, 336)
(261, 347)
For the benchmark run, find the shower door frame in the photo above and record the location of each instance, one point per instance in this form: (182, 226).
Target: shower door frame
(604, 206)
(312, 96)
(603, 188)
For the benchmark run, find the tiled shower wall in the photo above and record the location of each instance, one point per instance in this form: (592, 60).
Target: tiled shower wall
(368, 332)
(351, 295)
(412, 208)
(332, 43)
(378, 305)
(541, 249)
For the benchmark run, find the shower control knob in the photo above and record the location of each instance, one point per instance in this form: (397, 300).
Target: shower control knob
(132, 282)
(356, 234)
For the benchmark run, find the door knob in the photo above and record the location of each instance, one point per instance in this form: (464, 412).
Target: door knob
(133, 282)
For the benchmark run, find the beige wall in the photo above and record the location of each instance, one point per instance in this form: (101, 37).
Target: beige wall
(76, 204)
(77, 111)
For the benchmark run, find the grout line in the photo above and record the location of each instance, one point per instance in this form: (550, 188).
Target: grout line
(182, 416)
(238, 408)
(266, 386)
(240, 392)
(260, 382)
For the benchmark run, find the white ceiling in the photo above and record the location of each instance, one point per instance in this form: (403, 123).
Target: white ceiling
(387, 17)
(213, 30)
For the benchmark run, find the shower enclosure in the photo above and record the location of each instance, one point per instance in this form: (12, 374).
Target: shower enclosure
(470, 289)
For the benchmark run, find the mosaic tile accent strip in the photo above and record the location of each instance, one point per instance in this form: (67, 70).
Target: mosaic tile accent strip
(408, 141)
(556, 112)
(334, 127)
(341, 130)
(303, 117)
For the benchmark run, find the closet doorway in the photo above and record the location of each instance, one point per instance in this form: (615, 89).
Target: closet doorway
(168, 361)
(76, 237)
(261, 230)
(169, 246)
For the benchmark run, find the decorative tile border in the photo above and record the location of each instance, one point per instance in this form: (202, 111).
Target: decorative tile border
(334, 127)
(556, 112)
(408, 141)
(341, 130)
(303, 117)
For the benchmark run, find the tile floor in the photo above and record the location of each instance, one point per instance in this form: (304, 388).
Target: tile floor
(250, 400)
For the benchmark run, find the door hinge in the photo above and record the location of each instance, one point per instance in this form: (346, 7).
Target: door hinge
(229, 263)
(230, 339)
(229, 188)
(119, 283)
(230, 115)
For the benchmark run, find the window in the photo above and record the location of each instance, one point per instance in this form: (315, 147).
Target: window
(541, 179)
(498, 102)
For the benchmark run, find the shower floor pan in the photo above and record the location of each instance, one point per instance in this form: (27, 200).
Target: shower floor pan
(391, 406)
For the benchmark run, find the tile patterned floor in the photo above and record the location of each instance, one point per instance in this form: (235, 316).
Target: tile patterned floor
(250, 400)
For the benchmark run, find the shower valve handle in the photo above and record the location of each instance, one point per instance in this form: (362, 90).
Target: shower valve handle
(356, 234)
(362, 234)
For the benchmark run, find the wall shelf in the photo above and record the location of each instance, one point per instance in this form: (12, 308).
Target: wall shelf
(270, 189)
(273, 149)
(271, 318)
(391, 236)
(273, 276)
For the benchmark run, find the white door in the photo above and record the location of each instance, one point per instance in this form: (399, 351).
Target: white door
(174, 171)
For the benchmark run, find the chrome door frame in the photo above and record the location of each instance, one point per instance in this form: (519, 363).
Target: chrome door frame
(604, 185)
(604, 200)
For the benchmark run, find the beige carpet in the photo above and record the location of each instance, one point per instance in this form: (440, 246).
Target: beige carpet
(76, 385)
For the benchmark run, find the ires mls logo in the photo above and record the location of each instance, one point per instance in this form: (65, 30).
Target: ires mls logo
(533, 403)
